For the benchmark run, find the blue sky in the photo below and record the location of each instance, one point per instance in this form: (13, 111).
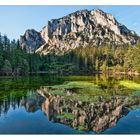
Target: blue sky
(14, 20)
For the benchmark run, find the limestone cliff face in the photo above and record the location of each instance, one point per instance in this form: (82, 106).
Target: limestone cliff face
(31, 40)
(79, 29)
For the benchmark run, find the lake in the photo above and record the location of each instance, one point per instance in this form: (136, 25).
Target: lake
(43, 104)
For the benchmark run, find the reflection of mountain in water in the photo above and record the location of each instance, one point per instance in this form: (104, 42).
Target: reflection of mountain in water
(32, 102)
(80, 115)
(83, 115)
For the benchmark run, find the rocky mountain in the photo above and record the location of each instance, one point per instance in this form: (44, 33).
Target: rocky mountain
(31, 40)
(78, 29)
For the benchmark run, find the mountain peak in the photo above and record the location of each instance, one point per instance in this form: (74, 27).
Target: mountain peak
(31, 40)
(81, 28)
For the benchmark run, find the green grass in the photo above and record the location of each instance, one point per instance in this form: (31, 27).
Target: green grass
(130, 85)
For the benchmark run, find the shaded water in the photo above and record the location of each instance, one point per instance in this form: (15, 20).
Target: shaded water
(70, 105)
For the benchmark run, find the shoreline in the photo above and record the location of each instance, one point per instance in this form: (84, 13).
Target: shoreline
(80, 74)
(120, 73)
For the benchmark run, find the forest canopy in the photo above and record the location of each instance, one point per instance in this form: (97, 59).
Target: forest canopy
(83, 60)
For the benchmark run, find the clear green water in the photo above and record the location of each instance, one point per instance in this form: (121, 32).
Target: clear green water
(70, 105)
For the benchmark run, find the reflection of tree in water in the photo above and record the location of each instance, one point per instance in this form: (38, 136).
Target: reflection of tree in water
(8, 102)
(29, 100)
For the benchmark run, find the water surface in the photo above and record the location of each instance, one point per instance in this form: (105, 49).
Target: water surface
(70, 105)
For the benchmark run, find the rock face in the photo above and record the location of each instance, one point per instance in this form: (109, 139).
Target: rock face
(31, 40)
(78, 29)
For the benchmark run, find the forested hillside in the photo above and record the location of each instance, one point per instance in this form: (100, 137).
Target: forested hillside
(82, 60)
